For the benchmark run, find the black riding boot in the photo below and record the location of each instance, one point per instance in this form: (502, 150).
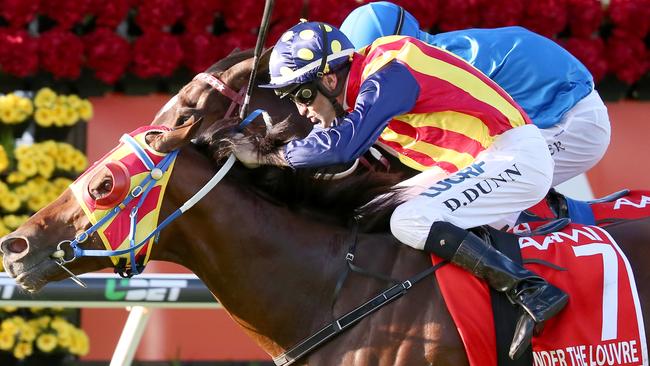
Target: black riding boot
(538, 298)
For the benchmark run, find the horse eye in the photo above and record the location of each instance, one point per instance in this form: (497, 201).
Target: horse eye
(107, 185)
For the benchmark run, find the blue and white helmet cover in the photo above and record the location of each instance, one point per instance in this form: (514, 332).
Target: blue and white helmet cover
(297, 56)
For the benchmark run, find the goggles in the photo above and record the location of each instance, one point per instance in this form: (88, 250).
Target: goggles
(303, 94)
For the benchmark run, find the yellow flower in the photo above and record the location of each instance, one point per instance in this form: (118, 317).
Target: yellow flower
(16, 177)
(27, 167)
(46, 342)
(59, 115)
(45, 98)
(46, 167)
(10, 116)
(25, 106)
(7, 340)
(86, 110)
(10, 202)
(70, 117)
(23, 350)
(23, 192)
(79, 162)
(21, 151)
(74, 101)
(61, 184)
(4, 159)
(10, 326)
(37, 202)
(79, 344)
(3, 231)
(49, 147)
(14, 221)
(44, 117)
(9, 309)
(44, 321)
(27, 332)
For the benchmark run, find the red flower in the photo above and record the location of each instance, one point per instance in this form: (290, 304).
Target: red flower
(157, 14)
(18, 12)
(66, 12)
(61, 53)
(425, 11)
(156, 53)
(107, 54)
(287, 12)
(458, 14)
(501, 13)
(240, 40)
(627, 57)
(332, 12)
(546, 17)
(199, 14)
(632, 16)
(200, 50)
(591, 52)
(18, 52)
(585, 17)
(109, 13)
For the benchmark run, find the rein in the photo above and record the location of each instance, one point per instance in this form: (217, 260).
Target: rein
(323, 335)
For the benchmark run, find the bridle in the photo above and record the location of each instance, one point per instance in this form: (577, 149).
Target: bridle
(236, 98)
(139, 193)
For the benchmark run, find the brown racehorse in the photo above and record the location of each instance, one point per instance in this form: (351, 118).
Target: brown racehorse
(271, 243)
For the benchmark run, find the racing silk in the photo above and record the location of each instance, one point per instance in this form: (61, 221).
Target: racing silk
(423, 104)
(542, 77)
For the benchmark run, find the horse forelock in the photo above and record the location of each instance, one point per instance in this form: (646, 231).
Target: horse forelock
(341, 200)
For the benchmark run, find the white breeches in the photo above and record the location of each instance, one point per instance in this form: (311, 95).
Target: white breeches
(513, 174)
(580, 139)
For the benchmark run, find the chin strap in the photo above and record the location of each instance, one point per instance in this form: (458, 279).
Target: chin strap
(324, 69)
(331, 95)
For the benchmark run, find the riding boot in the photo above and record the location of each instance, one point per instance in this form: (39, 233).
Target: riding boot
(539, 299)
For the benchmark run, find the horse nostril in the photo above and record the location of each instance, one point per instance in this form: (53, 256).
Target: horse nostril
(14, 245)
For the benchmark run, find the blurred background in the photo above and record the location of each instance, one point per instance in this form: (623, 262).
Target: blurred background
(76, 74)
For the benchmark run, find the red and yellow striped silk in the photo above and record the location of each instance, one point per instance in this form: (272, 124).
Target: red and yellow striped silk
(458, 113)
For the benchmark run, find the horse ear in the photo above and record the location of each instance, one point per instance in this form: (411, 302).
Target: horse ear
(176, 138)
(264, 61)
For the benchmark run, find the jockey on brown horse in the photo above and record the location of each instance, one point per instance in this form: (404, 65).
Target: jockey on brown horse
(481, 159)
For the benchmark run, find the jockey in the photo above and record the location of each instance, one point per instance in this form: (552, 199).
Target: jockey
(553, 87)
(479, 156)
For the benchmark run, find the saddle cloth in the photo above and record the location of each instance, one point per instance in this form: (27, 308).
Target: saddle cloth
(623, 205)
(601, 325)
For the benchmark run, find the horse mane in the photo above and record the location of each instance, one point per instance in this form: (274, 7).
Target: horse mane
(367, 196)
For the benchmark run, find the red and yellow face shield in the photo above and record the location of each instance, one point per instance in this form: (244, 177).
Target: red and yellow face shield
(128, 167)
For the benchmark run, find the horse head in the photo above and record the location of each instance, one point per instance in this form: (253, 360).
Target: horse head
(35, 252)
(219, 91)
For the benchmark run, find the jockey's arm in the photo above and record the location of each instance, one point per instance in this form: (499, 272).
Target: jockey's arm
(387, 93)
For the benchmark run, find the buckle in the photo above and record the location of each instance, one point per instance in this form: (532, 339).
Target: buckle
(349, 257)
(407, 284)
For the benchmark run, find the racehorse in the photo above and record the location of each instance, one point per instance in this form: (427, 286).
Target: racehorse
(271, 245)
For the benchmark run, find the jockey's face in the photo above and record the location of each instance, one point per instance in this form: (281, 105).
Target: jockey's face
(320, 111)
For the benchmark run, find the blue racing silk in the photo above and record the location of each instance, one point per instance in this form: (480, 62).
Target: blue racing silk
(386, 93)
(542, 77)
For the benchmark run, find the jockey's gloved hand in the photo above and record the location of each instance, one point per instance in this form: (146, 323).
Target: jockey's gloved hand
(245, 152)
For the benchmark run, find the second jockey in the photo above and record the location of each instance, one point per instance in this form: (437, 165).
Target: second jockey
(480, 157)
(551, 85)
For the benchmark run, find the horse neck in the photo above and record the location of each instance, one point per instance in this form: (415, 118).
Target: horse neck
(253, 255)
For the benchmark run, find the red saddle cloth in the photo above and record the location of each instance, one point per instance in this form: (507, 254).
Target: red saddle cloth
(602, 323)
(635, 205)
